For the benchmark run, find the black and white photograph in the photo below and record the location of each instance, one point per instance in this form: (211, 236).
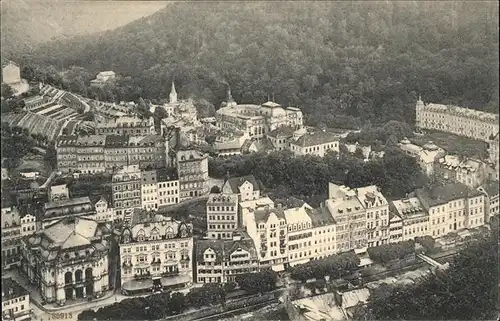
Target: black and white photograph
(250, 160)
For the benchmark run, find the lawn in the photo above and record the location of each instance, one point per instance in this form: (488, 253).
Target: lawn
(454, 144)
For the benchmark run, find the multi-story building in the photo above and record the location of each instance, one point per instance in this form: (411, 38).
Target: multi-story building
(67, 160)
(220, 261)
(28, 224)
(472, 172)
(377, 214)
(317, 144)
(58, 192)
(147, 151)
(413, 217)
(493, 148)
(257, 120)
(11, 236)
(90, 154)
(15, 301)
(426, 155)
(492, 204)
(396, 228)
(350, 216)
(56, 210)
(456, 120)
(246, 187)
(68, 259)
(155, 252)
(451, 207)
(116, 151)
(127, 126)
(192, 167)
(222, 216)
(126, 191)
(104, 213)
(159, 188)
(280, 137)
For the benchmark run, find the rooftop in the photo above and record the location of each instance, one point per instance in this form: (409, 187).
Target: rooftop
(91, 140)
(224, 248)
(236, 182)
(67, 140)
(408, 207)
(11, 289)
(262, 214)
(491, 188)
(316, 138)
(438, 195)
(116, 141)
(222, 198)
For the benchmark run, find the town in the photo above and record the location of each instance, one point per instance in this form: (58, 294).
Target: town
(148, 186)
(72, 247)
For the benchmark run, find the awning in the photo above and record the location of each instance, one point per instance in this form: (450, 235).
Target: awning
(135, 285)
(174, 280)
(278, 268)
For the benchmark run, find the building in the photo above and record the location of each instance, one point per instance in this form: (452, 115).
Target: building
(56, 210)
(147, 151)
(222, 216)
(58, 192)
(377, 214)
(126, 191)
(90, 154)
(280, 137)
(102, 78)
(159, 188)
(192, 167)
(350, 216)
(67, 160)
(451, 207)
(11, 73)
(220, 261)
(116, 151)
(413, 217)
(471, 172)
(28, 225)
(246, 187)
(11, 236)
(317, 144)
(127, 125)
(68, 260)
(257, 120)
(103, 212)
(155, 252)
(456, 120)
(426, 155)
(490, 190)
(15, 301)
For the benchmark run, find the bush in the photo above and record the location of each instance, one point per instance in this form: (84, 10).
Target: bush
(389, 252)
(260, 282)
(334, 266)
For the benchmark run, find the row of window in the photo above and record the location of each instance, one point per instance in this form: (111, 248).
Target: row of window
(222, 217)
(221, 226)
(221, 208)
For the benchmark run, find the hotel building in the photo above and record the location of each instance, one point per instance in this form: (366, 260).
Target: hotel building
(126, 191)
(11, 236)
(413, 217)
(456, 120)
(317, 144)
(159, 188)
(155, 253)
(127, 126)
(222, 216)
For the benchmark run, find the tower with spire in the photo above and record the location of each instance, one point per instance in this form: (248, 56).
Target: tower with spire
(230, 100)
(173, 94)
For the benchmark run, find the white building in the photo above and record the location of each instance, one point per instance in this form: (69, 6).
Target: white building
(68, 259)
(15, 301)
(413, 217)
(159, 188)
(11, 73)
(425, 155)
(492, 200)
(472, 172)
(317, 144)
(58, 192)
(102, 78)
(28, 225)
(155, 252)
(377, 214)
(452, 207)
(192, 167)
(11, 236)
(257, 120)
(246, 187)
(222, 216)
(103, 212)
(456, 120)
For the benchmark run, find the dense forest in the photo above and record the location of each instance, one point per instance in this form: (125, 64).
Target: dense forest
(344, 63)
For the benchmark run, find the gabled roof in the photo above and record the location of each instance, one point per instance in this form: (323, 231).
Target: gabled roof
(439, 195)
(262, 215)
(283, 131)
(224, 248)
(236, 182)
(317, 138)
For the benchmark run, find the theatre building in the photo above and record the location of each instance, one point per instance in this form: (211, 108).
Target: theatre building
(68, 260)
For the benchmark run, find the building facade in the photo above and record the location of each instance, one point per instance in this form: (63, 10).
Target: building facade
(317, 144)
(159, 188)
(413, 217)
(222, 216)
(11, 73)
(127, 125)
(15, 301)
(68, 260)
(456, 120)
(155, 251)
(126, 191)
(11, 237)
(192, 167)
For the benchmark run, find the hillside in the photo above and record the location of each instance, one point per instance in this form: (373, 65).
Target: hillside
(27, 23)
(344, 63)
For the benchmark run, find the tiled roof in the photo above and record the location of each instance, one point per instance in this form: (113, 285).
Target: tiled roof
(439, 195)
(236, 182)
(116, 141)
(283, 131)
(491, 188)
(166, 174)
(320, 216)
(224, 248)
(149, 177)
(67, 140)
(317, 138)
(11, 289)
(262, 215)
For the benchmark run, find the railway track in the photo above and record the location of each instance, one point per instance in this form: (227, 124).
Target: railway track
(231, 313)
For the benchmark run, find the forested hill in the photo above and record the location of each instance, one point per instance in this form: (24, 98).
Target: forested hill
(27, 23)
(342, 62)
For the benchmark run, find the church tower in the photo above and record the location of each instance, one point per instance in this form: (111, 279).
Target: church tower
(173, 94)
(230, 100)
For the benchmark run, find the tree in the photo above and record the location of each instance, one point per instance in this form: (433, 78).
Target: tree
(7, 91)
(260, 282)
(215, 189)
(388, 252)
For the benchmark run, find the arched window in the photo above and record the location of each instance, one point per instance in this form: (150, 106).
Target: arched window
(169, 232)
(141, 236)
